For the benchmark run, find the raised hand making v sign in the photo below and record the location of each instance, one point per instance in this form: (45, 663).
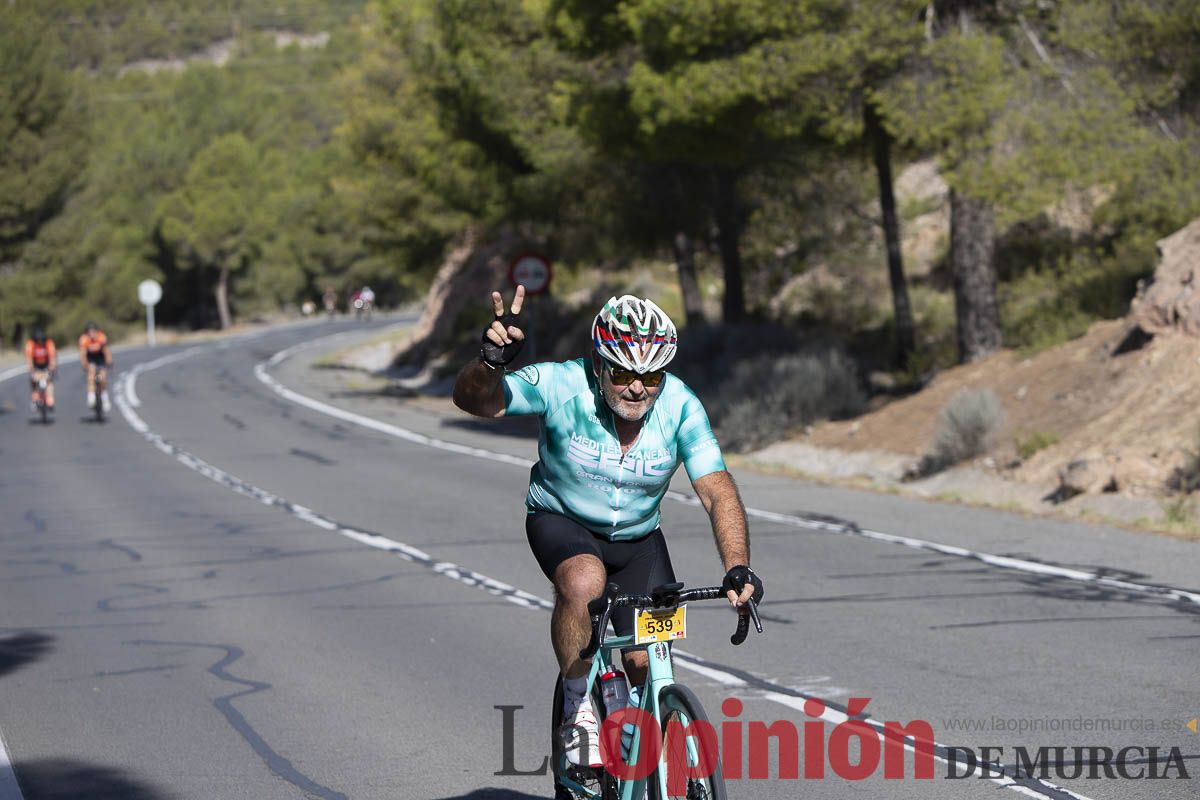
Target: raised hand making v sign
(614, 428)
(479, 387)
(503, 339)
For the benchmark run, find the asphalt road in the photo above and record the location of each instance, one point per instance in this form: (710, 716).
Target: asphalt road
(257, 581)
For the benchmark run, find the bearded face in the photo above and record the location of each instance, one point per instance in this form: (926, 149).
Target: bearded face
(631, 402)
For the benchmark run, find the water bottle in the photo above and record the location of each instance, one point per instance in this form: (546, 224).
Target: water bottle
(615, 694)
(614, 690)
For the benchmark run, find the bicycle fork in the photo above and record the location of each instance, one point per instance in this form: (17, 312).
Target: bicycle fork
(660, 675)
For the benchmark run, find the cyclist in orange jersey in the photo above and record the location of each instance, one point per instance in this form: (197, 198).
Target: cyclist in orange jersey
(94, 354)
(41, 357)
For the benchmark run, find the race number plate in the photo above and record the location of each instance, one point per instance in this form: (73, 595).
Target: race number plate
(661, 624)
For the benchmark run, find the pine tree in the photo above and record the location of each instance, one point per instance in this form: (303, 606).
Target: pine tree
(41, 129)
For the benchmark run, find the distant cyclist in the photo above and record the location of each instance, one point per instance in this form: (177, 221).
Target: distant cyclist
(95, 356)
(364, 301)
(41, 359)
(615, 426)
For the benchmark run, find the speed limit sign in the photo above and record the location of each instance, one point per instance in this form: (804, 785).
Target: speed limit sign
(531, 270)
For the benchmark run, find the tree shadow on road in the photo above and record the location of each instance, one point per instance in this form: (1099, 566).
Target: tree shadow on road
(68, 779)
(19, 650)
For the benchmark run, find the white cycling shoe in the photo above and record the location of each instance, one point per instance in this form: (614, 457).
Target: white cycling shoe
(580, 737)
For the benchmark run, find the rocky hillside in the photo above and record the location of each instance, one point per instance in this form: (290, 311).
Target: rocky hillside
(1114, 411)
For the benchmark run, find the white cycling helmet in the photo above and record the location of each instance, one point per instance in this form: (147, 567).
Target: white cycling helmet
(634, 334)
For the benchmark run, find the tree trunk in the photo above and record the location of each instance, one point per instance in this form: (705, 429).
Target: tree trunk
(475, 265)
(881, 145)
(222, 293)
(729, 234)
(685, 264)
(972, 242)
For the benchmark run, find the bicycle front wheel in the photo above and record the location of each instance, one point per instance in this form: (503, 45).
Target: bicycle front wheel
(683, 763)
(600, 783)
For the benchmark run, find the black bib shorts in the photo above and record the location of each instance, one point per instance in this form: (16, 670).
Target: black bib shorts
(638, 565)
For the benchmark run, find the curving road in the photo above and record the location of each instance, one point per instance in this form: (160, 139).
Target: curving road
(260, 580)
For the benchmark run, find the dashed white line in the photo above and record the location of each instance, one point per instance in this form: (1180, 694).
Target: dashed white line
(463, 575)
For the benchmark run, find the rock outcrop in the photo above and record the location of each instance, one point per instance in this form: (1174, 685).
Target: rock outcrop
(1171, 302)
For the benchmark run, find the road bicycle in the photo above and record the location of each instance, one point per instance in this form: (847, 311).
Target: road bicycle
(688, 769)
(41, 382)
(98, 401)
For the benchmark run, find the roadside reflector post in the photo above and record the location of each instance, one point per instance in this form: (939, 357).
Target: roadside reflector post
(149, 293)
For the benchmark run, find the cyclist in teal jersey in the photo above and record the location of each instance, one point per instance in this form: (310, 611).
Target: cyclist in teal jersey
(614, 428)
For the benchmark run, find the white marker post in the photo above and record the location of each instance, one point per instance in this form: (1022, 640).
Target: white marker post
(149, 293)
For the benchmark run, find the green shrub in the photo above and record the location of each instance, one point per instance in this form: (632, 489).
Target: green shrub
(1041, 309)
(765, 397)
(1186, 478)
(965, 429)
(1177, 511)
(760, 381)
(1038, 440)
(1054, 285)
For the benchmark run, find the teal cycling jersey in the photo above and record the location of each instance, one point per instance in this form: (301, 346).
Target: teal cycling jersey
(581, 472)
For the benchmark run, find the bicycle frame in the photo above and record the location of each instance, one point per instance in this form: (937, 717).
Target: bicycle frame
(99, 374)
(42, 382)
(659, 675)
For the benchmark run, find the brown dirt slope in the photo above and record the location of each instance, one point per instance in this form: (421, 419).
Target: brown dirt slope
(1132, 416)
(1119, 403)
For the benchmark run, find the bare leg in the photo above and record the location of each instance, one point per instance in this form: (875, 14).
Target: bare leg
(577, 580)
(637, 664)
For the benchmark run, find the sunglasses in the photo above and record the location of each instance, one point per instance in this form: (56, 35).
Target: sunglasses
(624, 377)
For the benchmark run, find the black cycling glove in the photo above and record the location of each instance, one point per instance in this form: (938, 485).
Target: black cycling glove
(737, 578)
(495, 355)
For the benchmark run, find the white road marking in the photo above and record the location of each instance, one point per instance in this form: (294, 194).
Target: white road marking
(9, 790)
(447, 569)
(450, 570)
(260, 371)
(1003, 562)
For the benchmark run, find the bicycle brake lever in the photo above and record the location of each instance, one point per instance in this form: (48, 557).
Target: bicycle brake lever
(598, 631)
(743, 625)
